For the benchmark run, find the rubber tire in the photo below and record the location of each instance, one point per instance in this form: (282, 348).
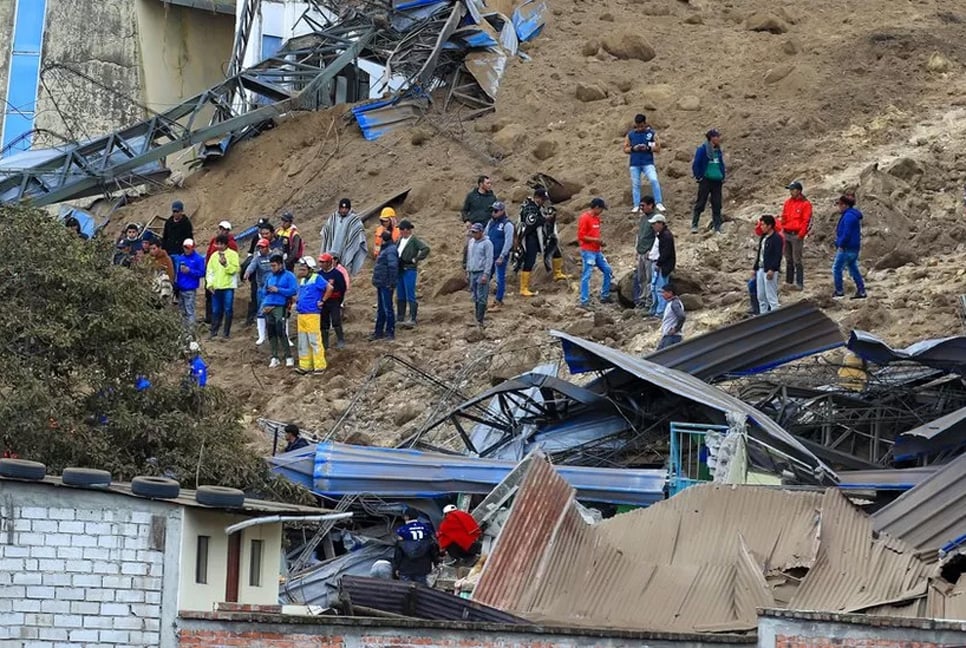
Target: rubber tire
(220, 496)
(155, 487)
(86, 477)
(22, 469)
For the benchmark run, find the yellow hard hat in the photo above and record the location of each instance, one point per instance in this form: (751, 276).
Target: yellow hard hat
(387, 212)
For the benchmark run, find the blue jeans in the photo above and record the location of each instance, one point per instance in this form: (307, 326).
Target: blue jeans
(668, 340)
(847, 259)
(591, 260)
(657, 284)
(650, 171)
(499, 271)
(186, 304)
(222, 309)
(406, 285)
(385, 315)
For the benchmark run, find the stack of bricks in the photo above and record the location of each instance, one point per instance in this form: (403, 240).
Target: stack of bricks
(79, 576)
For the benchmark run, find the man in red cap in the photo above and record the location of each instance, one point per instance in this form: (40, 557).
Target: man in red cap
(459, 534)
(332, 303)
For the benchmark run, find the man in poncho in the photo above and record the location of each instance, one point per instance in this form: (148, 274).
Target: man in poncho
(344, 236)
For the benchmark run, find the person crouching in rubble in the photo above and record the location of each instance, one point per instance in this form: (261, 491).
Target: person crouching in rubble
(416, 552)
(459, 535)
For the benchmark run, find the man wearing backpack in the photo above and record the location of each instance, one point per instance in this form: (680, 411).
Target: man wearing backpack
(416, 552)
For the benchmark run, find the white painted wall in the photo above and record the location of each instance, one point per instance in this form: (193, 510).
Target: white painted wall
(78, 567)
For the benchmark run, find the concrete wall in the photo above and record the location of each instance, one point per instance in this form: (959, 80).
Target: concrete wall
(85, 567)
(204, 596)
(786, 629)
(98, 38)
(6, 30)
(183, 51)
(267, 631)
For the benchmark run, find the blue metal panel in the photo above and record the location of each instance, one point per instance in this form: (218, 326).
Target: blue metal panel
(528, 19)
(24, 72)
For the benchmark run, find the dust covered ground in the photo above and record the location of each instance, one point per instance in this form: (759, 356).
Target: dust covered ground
(865, 94)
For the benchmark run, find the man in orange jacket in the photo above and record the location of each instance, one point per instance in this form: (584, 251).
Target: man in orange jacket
(796, 220)
(387, 223)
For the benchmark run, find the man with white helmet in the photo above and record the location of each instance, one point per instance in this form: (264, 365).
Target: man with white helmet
(313, 290)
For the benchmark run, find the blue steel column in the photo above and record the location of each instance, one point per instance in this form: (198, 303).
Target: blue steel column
(24, 74)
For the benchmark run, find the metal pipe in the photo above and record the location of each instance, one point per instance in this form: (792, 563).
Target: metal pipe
(273, 519)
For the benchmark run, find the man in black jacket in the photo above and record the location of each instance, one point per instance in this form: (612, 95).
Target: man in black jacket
(176, 229)
(411, 252)
(663, 257)
(768, 264)
(476, 206)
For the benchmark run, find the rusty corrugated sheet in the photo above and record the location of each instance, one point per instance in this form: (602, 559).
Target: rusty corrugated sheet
(540, 504)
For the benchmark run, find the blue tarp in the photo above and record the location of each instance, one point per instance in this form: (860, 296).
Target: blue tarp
(528, 19)
(340, 469)
(88, 222)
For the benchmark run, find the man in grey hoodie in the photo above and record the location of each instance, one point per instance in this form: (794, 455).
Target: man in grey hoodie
(479, 262)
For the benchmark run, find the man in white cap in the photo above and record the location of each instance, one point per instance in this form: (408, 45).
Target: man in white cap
(189, 270)
(479, 264)
(664, 258)
(459, 534)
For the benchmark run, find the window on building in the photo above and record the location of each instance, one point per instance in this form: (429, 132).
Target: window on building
(255, 565)
(201, 560)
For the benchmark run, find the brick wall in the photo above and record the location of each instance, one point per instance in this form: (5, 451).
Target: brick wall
(797, 641)
(225, 629)
(801, 629)
(88, 570)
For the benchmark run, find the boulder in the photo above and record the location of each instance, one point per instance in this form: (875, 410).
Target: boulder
(692, 302)
(897, 258)
(689, 103)
(452, 284)
(906, 169)
(791, 47)
(694, 19)
(628, 45)
(581, 327)
(590, 48)
(779, 72)
(545, 148)
(507, 140)
(761, 21)
(588, 92)
(938, 63)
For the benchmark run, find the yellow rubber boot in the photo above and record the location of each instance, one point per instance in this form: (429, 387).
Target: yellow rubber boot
(558, 273)
(525, 285)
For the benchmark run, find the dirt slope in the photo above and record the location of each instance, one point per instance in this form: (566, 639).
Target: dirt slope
(844, 86)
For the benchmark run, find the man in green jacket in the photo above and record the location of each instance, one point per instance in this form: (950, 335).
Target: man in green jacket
(411, 252)
(476, 207)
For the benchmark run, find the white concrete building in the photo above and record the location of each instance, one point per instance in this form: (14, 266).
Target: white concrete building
(105, 567)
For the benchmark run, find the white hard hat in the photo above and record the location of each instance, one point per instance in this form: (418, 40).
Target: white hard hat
(308, 262)
(449, 508)
(225, 225)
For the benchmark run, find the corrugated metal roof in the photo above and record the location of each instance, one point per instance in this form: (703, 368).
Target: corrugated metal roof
(695, 563)
(583, 355)
(755, 344)
(895, 479)
(414, 600)
(945, 432)
(185, 498)
(930, 515)
(343, 469)
(941, 353)
(854, 571)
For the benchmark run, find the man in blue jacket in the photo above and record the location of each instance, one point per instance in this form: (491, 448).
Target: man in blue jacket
(708, 169)
(768, 264)
(280, 286)
(189, 269)
(500, 232)
(848, 242)
(385, 275)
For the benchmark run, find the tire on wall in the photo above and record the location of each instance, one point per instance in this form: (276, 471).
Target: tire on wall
(155, 487)
(86, 477)
(220, 496)
(22, 469)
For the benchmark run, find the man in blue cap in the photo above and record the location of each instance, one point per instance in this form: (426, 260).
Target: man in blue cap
(176, 229)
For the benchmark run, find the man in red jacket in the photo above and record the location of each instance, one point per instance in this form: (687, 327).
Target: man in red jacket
(796, 219)
(459, 534)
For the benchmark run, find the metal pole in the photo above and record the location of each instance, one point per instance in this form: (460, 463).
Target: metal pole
(274, 519)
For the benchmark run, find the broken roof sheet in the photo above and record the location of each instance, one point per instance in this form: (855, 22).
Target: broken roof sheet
(947, 353)
(409, 599)
(529, 18)
(583, 356)
(755, 344)
(932, 516)
(703, 561)
(885, 479)
(342, 469)
(944, 433)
